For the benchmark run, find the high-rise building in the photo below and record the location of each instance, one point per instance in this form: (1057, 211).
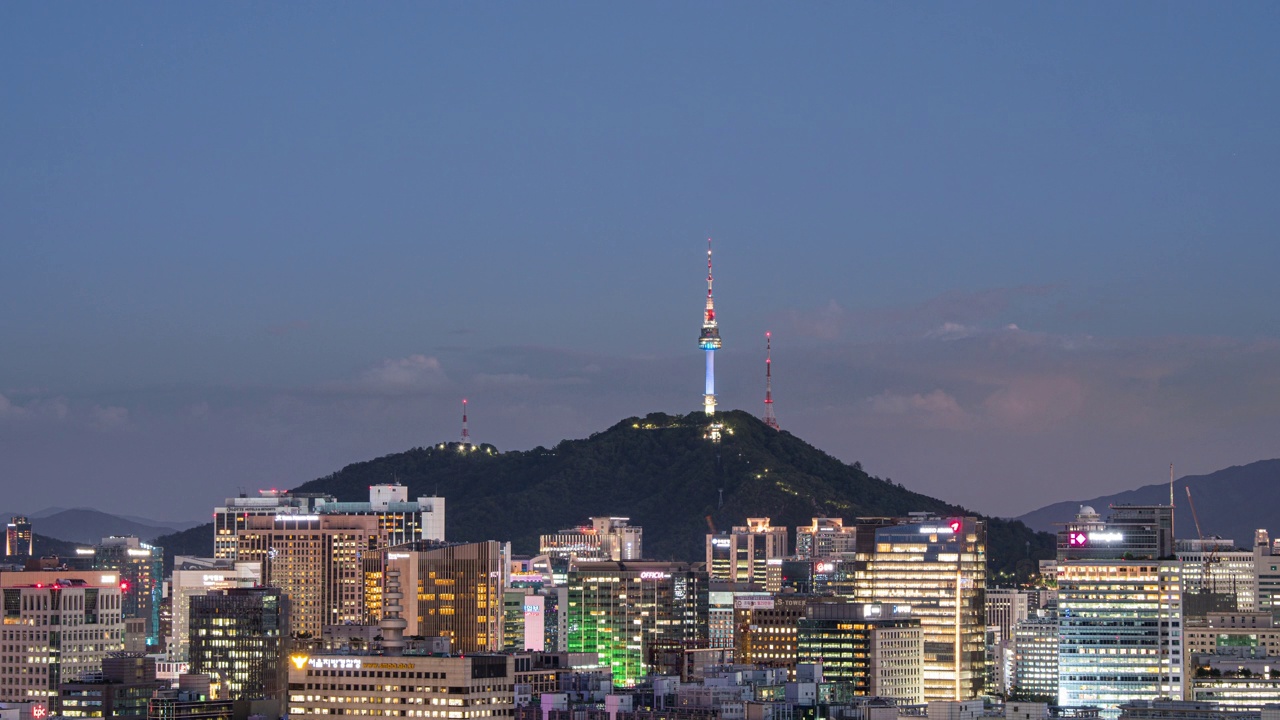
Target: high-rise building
(878, 649)
(938, 567)
(1120, 608)
(608, 538)
(765, 628)
(454, 591)
(826, 537)
(239, 637)
(232, 517)
(57, 626)
(397, 517)
(743, 555)
(1266, 570)
(1217, 577)
(197, 576)
(18, 538)
(624, 611)
(1035, 657)
(1006, 607)
(141, 569)
(722, 603)
(316, 561)
(461, 686)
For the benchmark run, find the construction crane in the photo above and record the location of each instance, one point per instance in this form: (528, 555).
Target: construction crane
(1210, 556)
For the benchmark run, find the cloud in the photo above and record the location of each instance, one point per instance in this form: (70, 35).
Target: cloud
(412, 374)
(825, 323)
(111, 417)
(56, 408)
(951, 315)
(1034, 402)
(936, 409)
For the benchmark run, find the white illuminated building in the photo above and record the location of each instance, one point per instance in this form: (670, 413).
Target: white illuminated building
(197, 576)
(1120, 608)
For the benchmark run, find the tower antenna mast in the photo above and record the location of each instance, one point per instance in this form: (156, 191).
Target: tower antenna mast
(769, 418)
(466, 434)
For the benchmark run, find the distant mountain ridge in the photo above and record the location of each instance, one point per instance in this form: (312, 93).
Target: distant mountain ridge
(1230, 503)
(87, 526)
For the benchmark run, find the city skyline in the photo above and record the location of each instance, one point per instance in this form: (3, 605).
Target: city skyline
(1007, 258)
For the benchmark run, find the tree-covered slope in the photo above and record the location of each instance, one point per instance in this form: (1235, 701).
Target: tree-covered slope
(660, 472)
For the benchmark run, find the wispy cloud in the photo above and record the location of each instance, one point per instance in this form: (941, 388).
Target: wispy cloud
(412, 374)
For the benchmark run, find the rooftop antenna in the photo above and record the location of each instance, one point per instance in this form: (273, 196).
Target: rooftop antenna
(769, 418)
(1171, 526)
(466, 434)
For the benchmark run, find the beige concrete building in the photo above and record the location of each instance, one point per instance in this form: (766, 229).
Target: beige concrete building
(459, 688)
(315, 560)
(57, 626)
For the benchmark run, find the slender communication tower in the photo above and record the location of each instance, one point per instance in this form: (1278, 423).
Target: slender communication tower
(710, 342)
(466, 434)
(769, 418)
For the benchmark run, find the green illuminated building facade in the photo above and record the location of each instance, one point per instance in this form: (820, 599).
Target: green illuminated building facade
(626, 610)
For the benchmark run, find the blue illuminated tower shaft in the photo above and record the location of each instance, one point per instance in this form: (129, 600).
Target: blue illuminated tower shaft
(709, 341)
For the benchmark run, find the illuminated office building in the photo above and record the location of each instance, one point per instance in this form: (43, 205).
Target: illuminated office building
(18, 538)
(826, 537)
(454, 591)
(121, 690)
(1217, 577)
(232, 517)
(197, 576)
(466, 687)
(398, 518)
(57, 626)
(938, 567)
(1005, 608)
(1120, 608)
(722, 603)
(742, 556)
(624, 611)
(1035, 657)
(316, 561)
(878, 649)
(765, 628)
(607, 538)
(239, 638)
(141, 570)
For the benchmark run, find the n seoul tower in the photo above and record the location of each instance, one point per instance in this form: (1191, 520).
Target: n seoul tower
(710, 342)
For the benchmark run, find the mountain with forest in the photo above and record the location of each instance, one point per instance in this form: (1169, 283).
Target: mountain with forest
(1229, 503)
(664, 475)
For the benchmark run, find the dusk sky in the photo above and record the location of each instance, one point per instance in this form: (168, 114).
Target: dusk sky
(1010, 253)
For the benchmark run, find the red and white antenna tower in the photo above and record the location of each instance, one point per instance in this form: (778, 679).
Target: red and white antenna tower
(769, 418)
(466, 434)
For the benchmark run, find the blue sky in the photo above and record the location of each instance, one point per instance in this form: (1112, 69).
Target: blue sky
(1011, 254)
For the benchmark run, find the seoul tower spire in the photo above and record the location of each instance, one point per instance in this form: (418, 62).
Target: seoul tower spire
(710, 342)
(769, 419)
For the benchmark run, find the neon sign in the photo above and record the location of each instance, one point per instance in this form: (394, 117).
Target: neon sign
(654, 575)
